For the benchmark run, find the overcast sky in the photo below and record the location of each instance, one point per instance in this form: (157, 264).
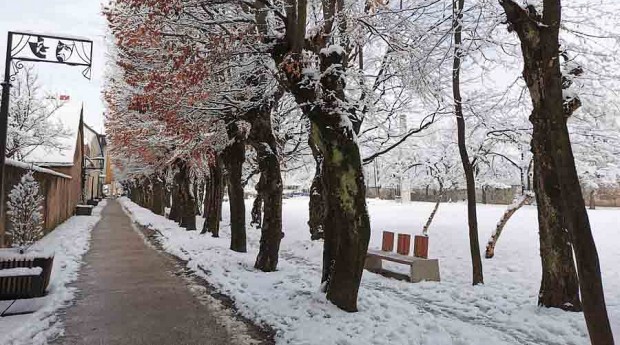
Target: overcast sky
(73, 18)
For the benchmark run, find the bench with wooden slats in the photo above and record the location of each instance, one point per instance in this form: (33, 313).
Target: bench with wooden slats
(24, 278)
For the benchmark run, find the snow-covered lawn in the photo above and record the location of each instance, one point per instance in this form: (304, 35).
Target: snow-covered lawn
(503, 311)
(69, 241)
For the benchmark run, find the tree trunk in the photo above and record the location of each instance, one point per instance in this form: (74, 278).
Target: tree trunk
(346, 225)
(512, 209)
(559, 286)
(158, 195)
(270, 189)
(257, 206)
(432, 216)
(187, 203)
(474, 246)
(346, 222)
(316, 206)
(592, 199)
(214, 190)
(234, 158)
(175, 203)
(167, 194)
(553, 157)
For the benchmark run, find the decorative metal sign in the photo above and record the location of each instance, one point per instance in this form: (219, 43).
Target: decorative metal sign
(35, 47)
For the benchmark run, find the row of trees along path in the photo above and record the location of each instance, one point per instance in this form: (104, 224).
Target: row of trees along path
(194, 84)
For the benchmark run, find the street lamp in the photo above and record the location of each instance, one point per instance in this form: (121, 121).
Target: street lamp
(72, 51)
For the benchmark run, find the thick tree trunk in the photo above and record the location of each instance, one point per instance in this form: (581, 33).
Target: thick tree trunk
(187, 203)
(214, 190)
(158, 195)
(592, 200)
(346, 222)
(316, 206)
(559, 286)
(270, 189)
(234, 158)
(512, 209)
(474, 246)
(554, 162)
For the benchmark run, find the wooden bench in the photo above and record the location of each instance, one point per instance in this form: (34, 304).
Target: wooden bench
(24, 276)
(420, 268)
(21, 282)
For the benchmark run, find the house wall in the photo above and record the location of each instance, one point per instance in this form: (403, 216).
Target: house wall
(61, 195)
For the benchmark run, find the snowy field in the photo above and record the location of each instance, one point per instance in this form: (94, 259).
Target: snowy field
(69, 241)
(503, 311)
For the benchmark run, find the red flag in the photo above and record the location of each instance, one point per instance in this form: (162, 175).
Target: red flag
(64, 97)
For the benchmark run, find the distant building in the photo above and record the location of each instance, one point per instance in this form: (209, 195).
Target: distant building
(82, 155)
(94, 163)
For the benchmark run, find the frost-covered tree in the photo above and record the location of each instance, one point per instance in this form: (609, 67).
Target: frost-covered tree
(31, 123)
(556, 181)
(24, 212)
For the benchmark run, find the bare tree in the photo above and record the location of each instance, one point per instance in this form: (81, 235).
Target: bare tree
(31, 123)
(474, 246)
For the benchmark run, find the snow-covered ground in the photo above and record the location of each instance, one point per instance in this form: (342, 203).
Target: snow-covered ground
(452, 311)
(69, 241)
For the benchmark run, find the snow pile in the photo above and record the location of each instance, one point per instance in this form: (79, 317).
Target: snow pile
(452, 311)
(21, 271)
(69, 241)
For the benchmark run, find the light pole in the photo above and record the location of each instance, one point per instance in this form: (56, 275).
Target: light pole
(4, 118)
(72, 51)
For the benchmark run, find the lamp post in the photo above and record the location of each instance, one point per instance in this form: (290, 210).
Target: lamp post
(4, 118)
(72, 51)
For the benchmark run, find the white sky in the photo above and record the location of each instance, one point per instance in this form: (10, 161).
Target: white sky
(73, 18)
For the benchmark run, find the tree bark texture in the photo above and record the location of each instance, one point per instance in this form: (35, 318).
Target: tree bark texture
(316, 219)
(270, 186)
(214, 191)
(158, 187)
(559, 286)
(346, 222)
(346, 225)
(234, 156)
(474, 246)
(557, 178)
(187, 204)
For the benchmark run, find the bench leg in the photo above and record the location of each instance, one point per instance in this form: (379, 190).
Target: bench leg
(425, 270)
(373, 264)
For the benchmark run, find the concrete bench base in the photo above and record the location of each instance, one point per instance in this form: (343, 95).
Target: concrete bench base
(420, 269)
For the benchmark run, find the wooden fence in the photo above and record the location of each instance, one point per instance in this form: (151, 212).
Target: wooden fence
(61, 194)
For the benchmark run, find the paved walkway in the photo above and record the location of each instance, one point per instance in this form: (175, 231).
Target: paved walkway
(129, 295)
